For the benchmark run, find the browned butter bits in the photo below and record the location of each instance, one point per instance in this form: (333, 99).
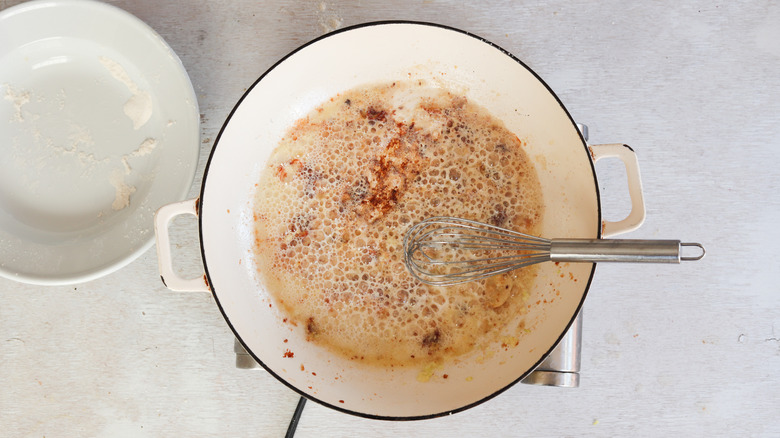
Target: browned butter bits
(341, 189)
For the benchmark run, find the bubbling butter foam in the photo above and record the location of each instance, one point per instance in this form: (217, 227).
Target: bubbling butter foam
(344, 185)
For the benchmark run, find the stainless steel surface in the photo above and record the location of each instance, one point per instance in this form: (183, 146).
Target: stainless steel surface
(700, 251)
(583, 128)
(616, 250)
(562, 365)
(465, 243)
(244, 361)
(446, 250)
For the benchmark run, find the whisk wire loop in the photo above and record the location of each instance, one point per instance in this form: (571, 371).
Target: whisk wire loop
(446, 250)
(443, 251)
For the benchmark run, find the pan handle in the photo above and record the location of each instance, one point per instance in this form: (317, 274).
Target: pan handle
(162, 220)
(627, 155)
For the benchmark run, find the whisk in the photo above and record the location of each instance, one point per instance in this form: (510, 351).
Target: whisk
(443, 251)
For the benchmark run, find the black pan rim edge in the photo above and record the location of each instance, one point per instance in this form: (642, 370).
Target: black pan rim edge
(211, 284)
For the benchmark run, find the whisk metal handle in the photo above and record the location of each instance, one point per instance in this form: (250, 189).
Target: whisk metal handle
(621, 250)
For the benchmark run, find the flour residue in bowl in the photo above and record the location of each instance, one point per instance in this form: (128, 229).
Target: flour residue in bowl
(146, 147)
(18, 99)
(79, 138)
(139, 106)
(48, 138)
(345, 183)
(123, 190)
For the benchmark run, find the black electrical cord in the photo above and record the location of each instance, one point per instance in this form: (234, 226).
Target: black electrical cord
(295, 418)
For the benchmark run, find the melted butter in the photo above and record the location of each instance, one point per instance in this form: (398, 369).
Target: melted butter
(340, 191)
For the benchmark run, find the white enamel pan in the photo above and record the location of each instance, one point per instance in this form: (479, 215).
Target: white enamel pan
(372, 53)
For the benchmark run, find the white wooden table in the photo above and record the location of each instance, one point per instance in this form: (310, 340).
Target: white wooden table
(690, 350)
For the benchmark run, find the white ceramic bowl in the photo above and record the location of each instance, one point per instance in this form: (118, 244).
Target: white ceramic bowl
(99, 127)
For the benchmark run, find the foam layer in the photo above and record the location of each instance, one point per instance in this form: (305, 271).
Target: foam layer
(339, 192)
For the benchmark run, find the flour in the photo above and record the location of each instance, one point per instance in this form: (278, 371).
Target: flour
(60, 99)
(139, 109)
(329, 20)
(18, 99)
(139, 106)
(78, 138)
(123, 191)
(145, 148)
(75, 143)
(126, 165)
